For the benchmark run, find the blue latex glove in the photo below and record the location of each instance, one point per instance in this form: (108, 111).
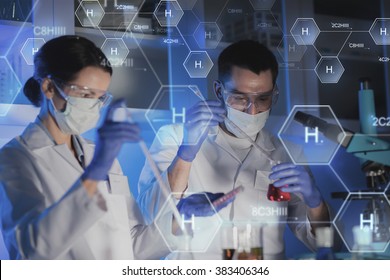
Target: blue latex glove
(198, 121)
(110, 138)
(298, 181)
(198, 205)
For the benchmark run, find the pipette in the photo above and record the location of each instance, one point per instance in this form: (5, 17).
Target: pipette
(122, 114)
(246, 136)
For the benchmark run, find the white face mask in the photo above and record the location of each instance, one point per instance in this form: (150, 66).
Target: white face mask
(250, 124)
(80, 115)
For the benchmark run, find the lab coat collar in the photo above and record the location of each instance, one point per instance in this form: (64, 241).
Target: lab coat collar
(37, 139)
(263, 140)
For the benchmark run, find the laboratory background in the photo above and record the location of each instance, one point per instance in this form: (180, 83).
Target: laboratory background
(334, 62)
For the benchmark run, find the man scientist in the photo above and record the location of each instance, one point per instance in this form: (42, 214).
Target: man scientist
(223, 159)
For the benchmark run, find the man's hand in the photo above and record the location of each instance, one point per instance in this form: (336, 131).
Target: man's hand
(199, 119)
(297, 180)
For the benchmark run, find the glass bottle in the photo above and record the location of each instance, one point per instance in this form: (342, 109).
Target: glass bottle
(362, 249)
(324, 242)
(229, 241)
(274, 193)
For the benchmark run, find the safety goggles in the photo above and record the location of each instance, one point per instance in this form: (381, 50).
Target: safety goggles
(101, 96)
(242, 101)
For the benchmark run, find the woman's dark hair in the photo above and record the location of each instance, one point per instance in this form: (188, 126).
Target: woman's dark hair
(247, 54)
(62, 58)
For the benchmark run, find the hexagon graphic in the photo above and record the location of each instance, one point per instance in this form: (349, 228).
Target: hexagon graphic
(364, 217)
(131, 39)
(115, 50)
(380, 31)
(208, 35)
(359, 174)
(310, 139)
(89, 13)
(170, 106)
(136, 30)
(208, 11)
(168, 13)
(187, 4)
(289, 50)
(202, 230)
(329, 69)
(305, 31)
(9, 86)
(262, 4)
(233, 14)
(173, 39)
(198, 64)
(30, 48)
(119, 12)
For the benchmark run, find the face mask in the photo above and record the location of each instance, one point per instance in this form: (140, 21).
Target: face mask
(250, 124)
(80, 115)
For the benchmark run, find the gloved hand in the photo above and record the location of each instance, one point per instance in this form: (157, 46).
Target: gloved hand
(198, 120)
(298, 181)
(111, 136)
(198, 205)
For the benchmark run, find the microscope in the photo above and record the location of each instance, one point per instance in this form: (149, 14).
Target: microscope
(374, 155)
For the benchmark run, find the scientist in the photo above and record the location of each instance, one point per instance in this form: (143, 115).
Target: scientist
(223, 159)
(63, 197)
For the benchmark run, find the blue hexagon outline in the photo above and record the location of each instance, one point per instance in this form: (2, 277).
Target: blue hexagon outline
(256, 9)
(24, 45)
(192, 4)
(35, 3)
(84, 12)
(193, 88)
(318, 63)
(117, 39)
(218, 31)
(310, 106)
(18, 82)
(342, 208)
(134, 13)
(339, 178)
(297, 44)
(168, 25)
(162, 233)
(128, 30)
(372, 26)
(319, 31)
(187, 58)
(387, 188)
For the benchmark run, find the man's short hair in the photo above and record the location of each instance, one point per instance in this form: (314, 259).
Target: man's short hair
(247, 54)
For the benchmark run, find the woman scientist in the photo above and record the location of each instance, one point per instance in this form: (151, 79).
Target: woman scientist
(61, 196)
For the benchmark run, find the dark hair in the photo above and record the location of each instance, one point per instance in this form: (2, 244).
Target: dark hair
(63, 57)
(247, 54)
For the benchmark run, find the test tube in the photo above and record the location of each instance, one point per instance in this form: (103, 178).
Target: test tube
(229, 241)
(256, 242)
(227, 196)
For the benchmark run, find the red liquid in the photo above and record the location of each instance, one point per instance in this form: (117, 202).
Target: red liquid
(275, 194)
(228, 254)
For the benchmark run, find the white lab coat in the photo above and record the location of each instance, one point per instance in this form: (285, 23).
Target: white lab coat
(215, 169)
(47, 214)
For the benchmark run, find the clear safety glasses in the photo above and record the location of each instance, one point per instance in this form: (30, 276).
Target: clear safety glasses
(101, 96)
(242, 101)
